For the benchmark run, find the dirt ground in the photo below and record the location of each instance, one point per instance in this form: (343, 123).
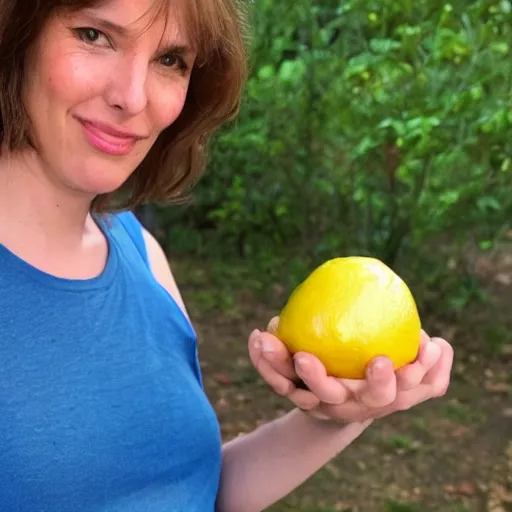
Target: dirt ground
(449, 455)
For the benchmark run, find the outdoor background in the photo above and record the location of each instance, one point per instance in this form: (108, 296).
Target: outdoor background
(379, 128)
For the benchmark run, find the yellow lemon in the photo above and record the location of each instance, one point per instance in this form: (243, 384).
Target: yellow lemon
(348, 311)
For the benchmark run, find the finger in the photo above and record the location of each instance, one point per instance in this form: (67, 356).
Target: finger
(303, 399)
(430, 355)
(281, 385)
(328, 389)
(350, 411)
(413, 374)
(278, 382)
(276, 353)
(272, 325)
(381, 384)
(434, 384)
(354, 386)
(438, 378)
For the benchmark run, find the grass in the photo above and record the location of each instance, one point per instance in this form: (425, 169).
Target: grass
(395, 506)
(289, 507)
(420, 424)
(402, 443)
(462, 413)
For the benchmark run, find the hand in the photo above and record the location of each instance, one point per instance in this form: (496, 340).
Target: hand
(383, 392)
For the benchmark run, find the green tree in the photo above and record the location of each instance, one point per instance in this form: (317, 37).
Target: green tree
(378, 128)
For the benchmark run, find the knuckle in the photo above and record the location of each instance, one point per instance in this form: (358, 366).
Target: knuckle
(283, 389)
(379, 403)
(333, 397)
(441, 390)
(305, 406)
(407, 384)
(402, 404)
(304, 402)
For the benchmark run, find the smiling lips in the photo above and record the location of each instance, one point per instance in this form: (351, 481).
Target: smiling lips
(108, 139)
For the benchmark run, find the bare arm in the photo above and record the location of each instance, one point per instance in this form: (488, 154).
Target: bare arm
(262, 467)
(161, 269)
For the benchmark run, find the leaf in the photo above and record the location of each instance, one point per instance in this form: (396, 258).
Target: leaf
(292, 70)
(223, 379)
(497, 387)
(506, 6)
(266, 72)
(488, 203)
(449, 197)
(384, 45)
(500, 47)
(464, 488)
(365, 146)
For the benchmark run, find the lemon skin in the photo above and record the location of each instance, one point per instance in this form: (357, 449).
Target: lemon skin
(349, 311)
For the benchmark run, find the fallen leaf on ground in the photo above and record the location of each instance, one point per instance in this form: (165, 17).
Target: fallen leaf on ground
(497, 387)
(464, 488)
(506, 350)
(503, 279)
(222, 405)
(222, 378)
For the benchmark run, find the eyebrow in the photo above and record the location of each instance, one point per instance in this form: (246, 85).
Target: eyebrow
(110, 26)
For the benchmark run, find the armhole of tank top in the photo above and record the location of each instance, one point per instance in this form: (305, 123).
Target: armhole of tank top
(134, 229)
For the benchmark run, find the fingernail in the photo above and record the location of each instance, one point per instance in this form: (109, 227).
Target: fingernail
(378, 367)
(256, 339)
(427, 349)
(302, 364)
(379, 364)
(431, 353)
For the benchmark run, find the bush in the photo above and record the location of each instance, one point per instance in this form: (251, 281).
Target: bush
(377, 128)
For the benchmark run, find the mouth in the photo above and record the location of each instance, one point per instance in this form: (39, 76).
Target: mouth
(108, 139)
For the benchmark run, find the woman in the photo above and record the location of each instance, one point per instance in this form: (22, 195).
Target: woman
(101, 402)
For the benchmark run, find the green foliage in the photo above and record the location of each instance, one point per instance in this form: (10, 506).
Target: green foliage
(368, 127)
(402, 443)
(462, 413)
(497, 337)
(394, 506)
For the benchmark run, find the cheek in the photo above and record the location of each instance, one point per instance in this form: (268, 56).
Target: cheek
(168, 106)
(71, 81)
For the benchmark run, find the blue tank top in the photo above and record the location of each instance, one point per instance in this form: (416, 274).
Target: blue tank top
(102, 407)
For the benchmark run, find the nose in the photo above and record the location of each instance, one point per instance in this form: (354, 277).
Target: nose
(127, 87)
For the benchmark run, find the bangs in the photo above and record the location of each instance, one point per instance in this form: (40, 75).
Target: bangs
(212, 25)
(216, 30)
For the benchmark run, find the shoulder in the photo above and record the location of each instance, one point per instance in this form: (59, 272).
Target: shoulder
(153, 254)
(161, 269)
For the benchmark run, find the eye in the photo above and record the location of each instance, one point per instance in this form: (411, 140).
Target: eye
(168, 60)
(90, 35)
(171, 60)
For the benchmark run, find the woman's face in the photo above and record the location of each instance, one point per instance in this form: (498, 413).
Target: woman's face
(101, 86)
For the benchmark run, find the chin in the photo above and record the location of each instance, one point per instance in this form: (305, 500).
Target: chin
(100, 179)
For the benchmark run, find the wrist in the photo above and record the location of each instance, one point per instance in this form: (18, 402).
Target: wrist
(324, 421)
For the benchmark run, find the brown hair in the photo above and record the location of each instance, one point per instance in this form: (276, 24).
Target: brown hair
(177, 157)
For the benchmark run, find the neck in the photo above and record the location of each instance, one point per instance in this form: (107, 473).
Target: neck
(33, 205)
